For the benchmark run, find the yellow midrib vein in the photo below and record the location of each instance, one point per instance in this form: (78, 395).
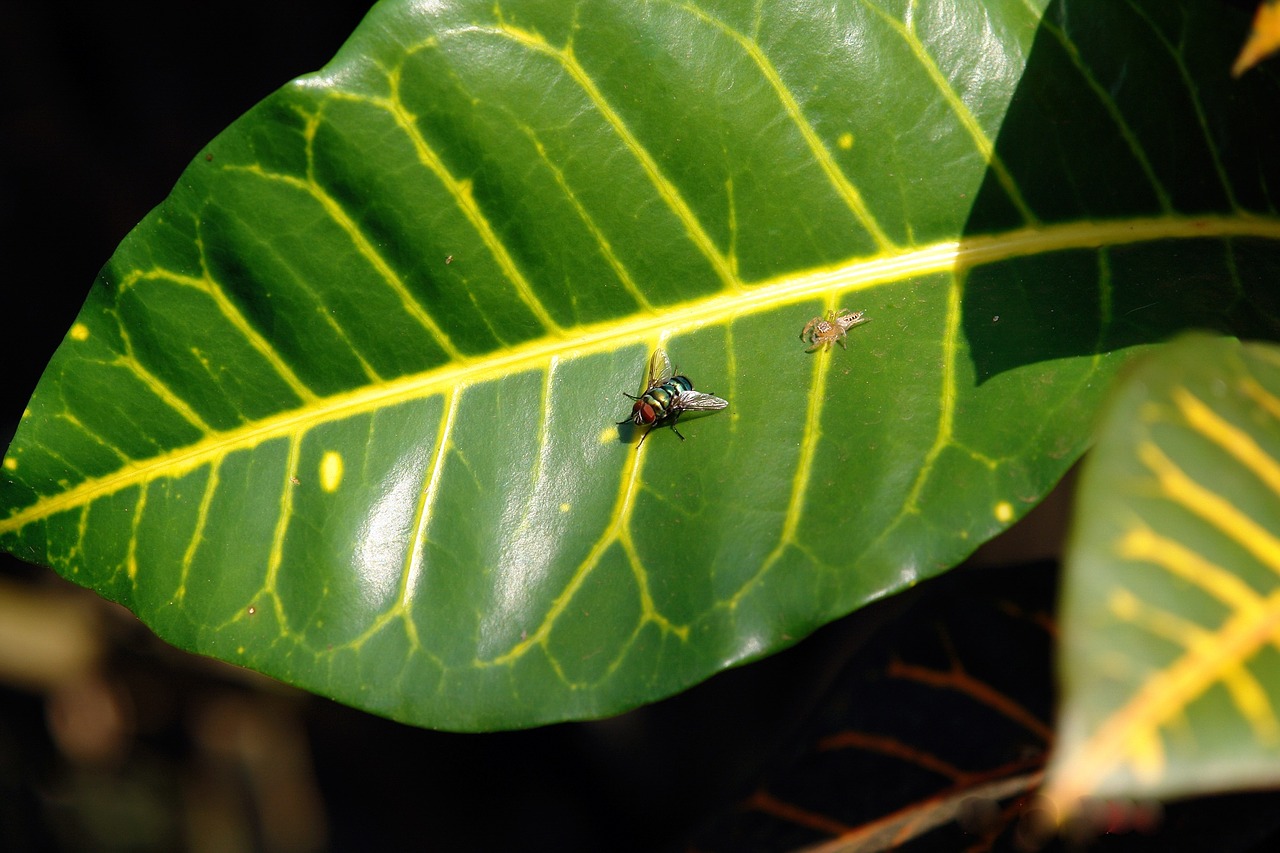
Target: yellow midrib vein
(606, 336)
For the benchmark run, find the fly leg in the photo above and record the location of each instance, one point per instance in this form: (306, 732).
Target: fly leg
(673, 425)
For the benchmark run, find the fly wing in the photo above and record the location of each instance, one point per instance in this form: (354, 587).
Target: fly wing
(696, 401)
(659, 369)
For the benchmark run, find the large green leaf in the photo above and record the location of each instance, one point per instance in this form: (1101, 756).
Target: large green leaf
(1171, 617)
(342, 409)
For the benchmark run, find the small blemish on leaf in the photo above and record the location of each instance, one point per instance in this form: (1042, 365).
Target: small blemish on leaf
(331, 471)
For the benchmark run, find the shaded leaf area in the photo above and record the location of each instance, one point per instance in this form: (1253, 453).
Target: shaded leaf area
(928, 736)
(1125, 112)
(343, 408)
(1172, 606)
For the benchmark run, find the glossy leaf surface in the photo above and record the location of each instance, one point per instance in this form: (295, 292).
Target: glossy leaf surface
(342, 409)
(1171, 617)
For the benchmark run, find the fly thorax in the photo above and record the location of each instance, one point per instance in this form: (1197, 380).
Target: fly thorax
(661, 396)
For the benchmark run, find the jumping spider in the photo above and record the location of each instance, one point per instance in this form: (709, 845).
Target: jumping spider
(824, 331)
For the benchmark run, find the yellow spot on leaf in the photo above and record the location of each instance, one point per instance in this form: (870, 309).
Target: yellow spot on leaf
(608, 435)
(331, 471)
(845, 141)
(10, 464)
(79, 332)
(564, 507)
(1004, 512)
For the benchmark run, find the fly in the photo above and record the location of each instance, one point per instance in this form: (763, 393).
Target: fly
(667, 397)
